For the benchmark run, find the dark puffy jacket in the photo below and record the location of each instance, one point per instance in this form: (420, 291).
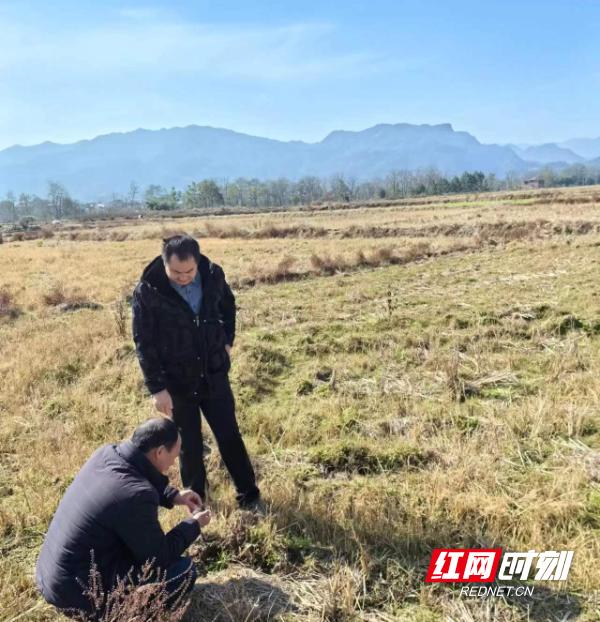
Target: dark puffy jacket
(111, 508)
(178, 350)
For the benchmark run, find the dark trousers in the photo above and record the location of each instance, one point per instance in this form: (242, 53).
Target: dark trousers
(180, 579)
(219, 412)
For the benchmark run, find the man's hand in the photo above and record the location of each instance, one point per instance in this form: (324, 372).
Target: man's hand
(203, 517)
(190, 499)
(163, 403)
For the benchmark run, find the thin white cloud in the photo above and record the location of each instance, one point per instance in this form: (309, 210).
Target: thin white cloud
(62, 81)
(146, 42)
(140, 13)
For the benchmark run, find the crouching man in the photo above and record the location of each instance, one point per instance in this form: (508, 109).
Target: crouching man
(110, 513)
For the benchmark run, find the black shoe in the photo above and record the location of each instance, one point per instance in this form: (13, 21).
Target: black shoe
(256, 506)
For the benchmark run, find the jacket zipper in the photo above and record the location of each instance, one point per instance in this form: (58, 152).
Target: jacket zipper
(197, 323)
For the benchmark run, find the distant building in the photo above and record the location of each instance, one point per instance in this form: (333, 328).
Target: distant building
(534, 182)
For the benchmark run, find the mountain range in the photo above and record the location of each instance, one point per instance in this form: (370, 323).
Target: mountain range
(96, 169)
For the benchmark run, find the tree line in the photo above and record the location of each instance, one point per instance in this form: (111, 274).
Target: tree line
(282, 192)
(257, 194)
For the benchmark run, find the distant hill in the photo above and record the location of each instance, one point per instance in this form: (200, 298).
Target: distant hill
(588, 148)
(97, 168)
(548, 153)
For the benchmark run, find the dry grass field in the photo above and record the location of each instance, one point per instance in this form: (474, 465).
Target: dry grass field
(408, 376)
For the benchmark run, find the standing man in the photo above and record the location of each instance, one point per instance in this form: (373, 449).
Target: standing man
(183, 328)
(109, 516)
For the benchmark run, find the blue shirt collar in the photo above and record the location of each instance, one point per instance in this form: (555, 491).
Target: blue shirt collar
(181, 288)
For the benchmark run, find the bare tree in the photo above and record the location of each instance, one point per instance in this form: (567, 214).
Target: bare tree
(12, 205)
(25, 201)
(133, 190)
(8, 210)
(56, 197)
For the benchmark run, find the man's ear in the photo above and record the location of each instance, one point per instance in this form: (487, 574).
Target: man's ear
(154, 454)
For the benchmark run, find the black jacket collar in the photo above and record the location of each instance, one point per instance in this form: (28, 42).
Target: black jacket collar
(130, 453)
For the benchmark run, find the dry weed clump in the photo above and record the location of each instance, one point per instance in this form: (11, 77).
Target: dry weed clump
(357, 457)
(65, 298)
(282, 271)
(384, 256)
(98, 234)
(121, 316)
(343, 596)
(294, 231)
(247, 540)
(213, 230)
(502, 231)
(138, 597)
(118, 236)
(8, 308)
(327, 265)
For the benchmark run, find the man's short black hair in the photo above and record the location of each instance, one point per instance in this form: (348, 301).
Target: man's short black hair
(155, 432)
(183, 246)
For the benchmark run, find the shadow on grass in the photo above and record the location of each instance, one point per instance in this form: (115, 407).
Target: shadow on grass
(400, 566)
(248, 598)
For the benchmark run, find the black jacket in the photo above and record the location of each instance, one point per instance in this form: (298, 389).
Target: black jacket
(111, 508)
(178, 350)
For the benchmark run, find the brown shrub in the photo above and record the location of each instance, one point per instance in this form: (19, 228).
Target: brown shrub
(118, 236)
(382, 256)
(121, 316)
(269, 231)
(503, 231)
(7, 306)
(361, 259)
(281, 272)
(214, 231)
(328, 265)
(99, 234)
(284, 267)
(57, 294)
(420, 250)
(143, 596)
(295, 231)
(379, 257)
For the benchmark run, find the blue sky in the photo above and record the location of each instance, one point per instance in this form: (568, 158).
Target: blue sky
(506, 71)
